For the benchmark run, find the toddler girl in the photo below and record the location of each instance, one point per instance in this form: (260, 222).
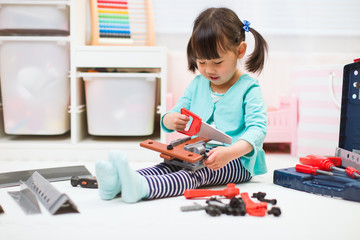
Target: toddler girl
(225, 97)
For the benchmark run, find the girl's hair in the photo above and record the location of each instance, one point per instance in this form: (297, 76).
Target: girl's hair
(217, 30)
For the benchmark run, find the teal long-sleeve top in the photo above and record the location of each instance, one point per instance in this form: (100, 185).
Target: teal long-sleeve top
(240, 113)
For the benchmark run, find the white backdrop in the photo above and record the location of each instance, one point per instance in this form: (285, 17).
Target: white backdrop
(299, 33)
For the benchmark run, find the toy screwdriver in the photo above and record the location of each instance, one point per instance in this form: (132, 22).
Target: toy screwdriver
(311, 170)
(352, 172)
(323, 163)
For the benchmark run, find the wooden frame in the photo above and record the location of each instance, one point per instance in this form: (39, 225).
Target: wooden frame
(137, 17)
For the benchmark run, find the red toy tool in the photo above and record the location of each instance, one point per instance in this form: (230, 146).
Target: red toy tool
(252, 208)
(329, 163)
(202, 129)
(323, 163)
(310, 170)
(352, 172)
(335, 160)
(229, 192)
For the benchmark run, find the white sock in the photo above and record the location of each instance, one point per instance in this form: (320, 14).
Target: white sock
(108, 180)
(134, 185)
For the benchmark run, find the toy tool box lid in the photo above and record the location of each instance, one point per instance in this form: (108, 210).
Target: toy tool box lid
(349, 138)
(339, 185)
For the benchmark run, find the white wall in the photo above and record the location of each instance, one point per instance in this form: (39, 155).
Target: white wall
(299, 33)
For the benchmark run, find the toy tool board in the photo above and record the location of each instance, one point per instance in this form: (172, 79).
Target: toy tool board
(339, 185)
(349, 138)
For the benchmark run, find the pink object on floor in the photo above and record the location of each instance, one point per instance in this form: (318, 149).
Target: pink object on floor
(282, 123)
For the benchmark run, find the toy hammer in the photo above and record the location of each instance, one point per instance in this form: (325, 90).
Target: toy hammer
(229, 192)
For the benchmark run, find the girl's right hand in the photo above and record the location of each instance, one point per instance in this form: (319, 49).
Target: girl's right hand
(175, 121)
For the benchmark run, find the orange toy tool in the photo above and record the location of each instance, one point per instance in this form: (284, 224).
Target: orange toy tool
(229, 192)
(252, 208)
(177, 151)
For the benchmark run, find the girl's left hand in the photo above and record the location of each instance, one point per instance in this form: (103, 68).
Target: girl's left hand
(218, 157)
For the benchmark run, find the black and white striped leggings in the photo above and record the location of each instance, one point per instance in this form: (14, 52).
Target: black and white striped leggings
(168, 180)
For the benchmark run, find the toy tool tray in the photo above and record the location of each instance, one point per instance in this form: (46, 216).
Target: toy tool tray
(339, 185)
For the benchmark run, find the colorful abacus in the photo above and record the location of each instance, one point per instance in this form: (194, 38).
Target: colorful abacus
(117, 22)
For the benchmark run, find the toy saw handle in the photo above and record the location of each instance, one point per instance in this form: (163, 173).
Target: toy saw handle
(195, 124)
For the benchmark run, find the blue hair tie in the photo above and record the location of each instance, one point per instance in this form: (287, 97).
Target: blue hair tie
(246, 25)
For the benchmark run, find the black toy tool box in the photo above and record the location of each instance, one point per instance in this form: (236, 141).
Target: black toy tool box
(349, 138)
(339, 185)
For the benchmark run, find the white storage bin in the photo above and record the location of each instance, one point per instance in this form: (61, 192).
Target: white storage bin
(22, 16)
(120, 104)
(35, 87)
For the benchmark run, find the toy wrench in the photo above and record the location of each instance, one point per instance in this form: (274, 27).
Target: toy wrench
(202, 129)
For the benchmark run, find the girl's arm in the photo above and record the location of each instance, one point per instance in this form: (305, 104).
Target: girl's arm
(220, 156)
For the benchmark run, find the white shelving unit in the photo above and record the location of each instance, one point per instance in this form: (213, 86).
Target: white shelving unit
(135, 58)
(78, 144)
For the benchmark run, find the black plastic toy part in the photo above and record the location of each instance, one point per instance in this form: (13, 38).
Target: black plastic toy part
(84, 182)
(236, 207)
(275, 211)
(261, 197)
(213, 211)
(215, 207)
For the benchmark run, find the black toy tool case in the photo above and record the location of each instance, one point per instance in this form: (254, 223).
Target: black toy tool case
(340, 184)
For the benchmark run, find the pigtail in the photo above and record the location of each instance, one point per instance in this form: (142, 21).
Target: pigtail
(256, 60)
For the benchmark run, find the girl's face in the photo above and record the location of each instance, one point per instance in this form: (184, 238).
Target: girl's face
(221, 72)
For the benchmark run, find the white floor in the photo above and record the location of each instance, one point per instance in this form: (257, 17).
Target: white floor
(304, 215)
